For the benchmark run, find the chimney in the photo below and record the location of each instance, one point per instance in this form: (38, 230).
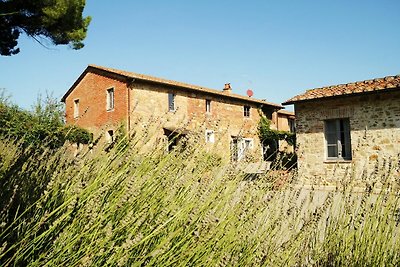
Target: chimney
(227, 88)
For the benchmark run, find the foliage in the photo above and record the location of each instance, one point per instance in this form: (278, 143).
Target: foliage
(60, 21)
(267, 134)
(284, 161)
(78, 135)
(142, 207)
(41, 127)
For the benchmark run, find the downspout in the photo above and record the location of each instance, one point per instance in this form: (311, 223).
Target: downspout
(128, 125)
(277, 119)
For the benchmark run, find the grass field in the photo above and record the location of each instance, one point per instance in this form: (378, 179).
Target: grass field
(129, 207)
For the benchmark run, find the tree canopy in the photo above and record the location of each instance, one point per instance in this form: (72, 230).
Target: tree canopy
(60, 21)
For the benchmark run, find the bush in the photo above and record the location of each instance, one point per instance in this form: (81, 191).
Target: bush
(78, 135)
(41, 127)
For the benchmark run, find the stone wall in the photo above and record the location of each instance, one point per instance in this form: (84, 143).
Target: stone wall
(226, 119)
(283, 121)
(375, 136)
(140, 105)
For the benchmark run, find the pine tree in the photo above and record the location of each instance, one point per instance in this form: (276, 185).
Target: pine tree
(60, 21)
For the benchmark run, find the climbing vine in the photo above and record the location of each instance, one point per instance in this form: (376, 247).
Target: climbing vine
(266, 134)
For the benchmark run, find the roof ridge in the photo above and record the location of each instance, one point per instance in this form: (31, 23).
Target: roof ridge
(183, 84)
(357, 82)
(154, 79)
(357, 87)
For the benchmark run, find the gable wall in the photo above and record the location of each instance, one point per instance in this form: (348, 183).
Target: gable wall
(375, 136)
(92, 95)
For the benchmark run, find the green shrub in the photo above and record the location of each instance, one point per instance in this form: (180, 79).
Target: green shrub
(41, 127)
(78, 135)
(267, 135)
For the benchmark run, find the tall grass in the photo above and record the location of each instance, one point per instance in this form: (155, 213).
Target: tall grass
(132, 206)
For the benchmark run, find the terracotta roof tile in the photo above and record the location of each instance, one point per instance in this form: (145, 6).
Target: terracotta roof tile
(379, 84)
(286, 112)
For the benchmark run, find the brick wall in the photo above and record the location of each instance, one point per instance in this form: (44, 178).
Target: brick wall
(375, 136)
(92, 95)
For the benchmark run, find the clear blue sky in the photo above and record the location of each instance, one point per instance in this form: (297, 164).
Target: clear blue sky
(277, 48)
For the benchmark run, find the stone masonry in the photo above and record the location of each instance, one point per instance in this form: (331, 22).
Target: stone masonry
(145, 98)
(374, 119)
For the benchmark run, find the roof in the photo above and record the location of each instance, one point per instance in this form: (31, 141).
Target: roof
(286, 112)
(142, 77)
(355, 88)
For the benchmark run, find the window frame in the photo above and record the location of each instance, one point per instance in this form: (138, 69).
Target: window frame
(292, 125)
(239, 147)
(110, 102)
(76, 108)
(110, 136)
(208, 106)
(246, 111)
(210, 136)
(171, 102)
(250, 141)
(338, 138)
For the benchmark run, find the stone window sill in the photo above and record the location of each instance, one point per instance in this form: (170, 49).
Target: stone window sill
(333, 161)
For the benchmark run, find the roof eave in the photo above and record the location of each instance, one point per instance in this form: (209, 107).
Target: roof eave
(292, 102)
(238, 98)
(75, 84)
(288, 103)
(88, 68)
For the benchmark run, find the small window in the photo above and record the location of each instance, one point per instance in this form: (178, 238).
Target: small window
(110, 136)
(209, 136)
(292, 125)
(246, 111)
(76, 108)
(171, 102)
(337, 139)
(248, 143)
(110, 99)
(208, 105)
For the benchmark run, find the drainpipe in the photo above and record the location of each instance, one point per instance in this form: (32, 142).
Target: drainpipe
(128, 124)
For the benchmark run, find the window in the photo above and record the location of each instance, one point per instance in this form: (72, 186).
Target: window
(175, 140)
(110, 136)
(76, 108)
(240, 147)
(209, 136)
(337, 139)
(248, 143)
(110, 99)
(292, 125)
(246, 111)
(208, 105)
(171, 102)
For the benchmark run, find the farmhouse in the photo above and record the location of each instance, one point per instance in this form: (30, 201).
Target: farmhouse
(102, 99)
(347, 129)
